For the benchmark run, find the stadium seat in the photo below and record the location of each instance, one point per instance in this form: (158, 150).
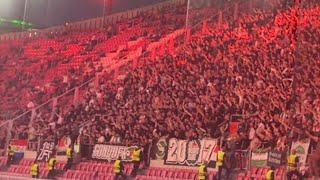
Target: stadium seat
(163, 173)
(151, 172)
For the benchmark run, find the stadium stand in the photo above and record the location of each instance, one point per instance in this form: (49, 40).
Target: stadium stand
(261, 70)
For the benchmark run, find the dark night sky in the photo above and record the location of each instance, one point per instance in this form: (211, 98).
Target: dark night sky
(44, 13)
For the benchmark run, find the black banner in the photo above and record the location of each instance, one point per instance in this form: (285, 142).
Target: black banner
(276, 158)
(46, 149)
(112, 152)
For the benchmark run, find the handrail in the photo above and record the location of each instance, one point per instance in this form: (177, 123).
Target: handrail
(39, 106)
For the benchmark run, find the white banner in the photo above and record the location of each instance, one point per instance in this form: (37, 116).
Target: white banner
(191, 153)
(259, 158)
(110, 152)
(302, 148)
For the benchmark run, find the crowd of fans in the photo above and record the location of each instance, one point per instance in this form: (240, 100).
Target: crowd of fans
(32, 70)
(93, 45)
(260, 69)
(39, 74)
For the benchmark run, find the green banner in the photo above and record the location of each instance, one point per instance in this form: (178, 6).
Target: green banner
(259, 158)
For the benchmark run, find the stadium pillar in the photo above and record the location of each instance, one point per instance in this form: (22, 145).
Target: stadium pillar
(24, 13)
(54, 107)
(9, 126)
(97, 81)
(107, 9)
(76, 96)
(187, 25)
(33, 115)
(220, 18)
(236, 10)
(109, 6)
(25, 10)
(104, 13)
(188, 34)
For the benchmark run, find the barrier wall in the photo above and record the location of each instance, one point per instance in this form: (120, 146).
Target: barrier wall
(181, 154)
(177, 152)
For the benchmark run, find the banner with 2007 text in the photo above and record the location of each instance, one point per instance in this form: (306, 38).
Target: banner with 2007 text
(112, 152)
(191, 153)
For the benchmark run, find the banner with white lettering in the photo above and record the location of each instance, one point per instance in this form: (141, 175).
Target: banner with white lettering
(276, 158)
(191, 153)
(302, 148)
(46, 149)
(259, 158)
(111, 152)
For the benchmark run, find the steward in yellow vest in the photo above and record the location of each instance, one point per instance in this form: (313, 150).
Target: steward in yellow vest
(136, 159)
(220, 158)
(10, 155)
(118, 168)
(136, 155)
(51, 165)
(35, 170)
(69, 154)
(293, 161)
(220, 163)
(270, 174)
(202, 171)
